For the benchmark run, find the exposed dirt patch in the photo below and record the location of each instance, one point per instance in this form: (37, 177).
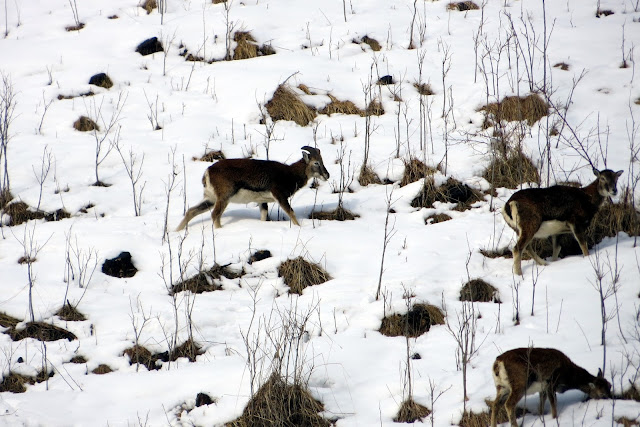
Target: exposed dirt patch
(299, 274)
(414, 323)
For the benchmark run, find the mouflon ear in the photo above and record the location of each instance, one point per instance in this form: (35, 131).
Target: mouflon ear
(600, 373)
(596, 172)
(619, 173)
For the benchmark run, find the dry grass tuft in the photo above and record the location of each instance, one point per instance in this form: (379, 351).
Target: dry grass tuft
(102, 369)
(70, 313)
(219, 1)
(76, 27)
(340, 107)
(632, 393)
(452, 191)
(101, 80)
(188, 349)
(414, 323)
(149, 5)
(411, 411)
(41, 331)
(211, 156)
(287, 105)
(373, 43)
(437, 218)
(299, 274)
(7, 321)
(511, 171)
(424, 89)
(463, 6)
(78, 359)
(368, 176)
(415, 170)
(374, 108)
(277, 403)
(142, 356)
(259, 255)
(338, 214)
(246, 45)
(478, 290)
(562, 65)
(205, 280)
(513, 108)
(89, 93)
(627, 422)
(85, 124)
(14, 383)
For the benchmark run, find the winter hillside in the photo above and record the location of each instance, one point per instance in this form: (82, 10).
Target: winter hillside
(460, 104)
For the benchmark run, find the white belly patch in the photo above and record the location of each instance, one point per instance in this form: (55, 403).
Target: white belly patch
(536, 387)
(550, 228)
(248, 196)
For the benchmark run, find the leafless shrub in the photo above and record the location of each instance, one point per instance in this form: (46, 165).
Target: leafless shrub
(299, 274)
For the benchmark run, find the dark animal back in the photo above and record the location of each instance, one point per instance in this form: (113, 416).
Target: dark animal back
(557, 202)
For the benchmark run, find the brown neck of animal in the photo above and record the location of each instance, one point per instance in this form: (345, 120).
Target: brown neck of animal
(300, 170)
(576, 378)
(594, 194)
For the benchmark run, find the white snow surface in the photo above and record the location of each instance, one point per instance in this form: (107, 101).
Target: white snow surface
(355, 371)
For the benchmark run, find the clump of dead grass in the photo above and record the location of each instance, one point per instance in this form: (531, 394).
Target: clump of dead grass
(437, 218)
(102, 369)
(632, 393)
(515, 108)
(299, 274)
(188, 349)
(211, 156)
(101, 80)
(414, 170)
(15, 383)
(511, 171)
(78, 359)
(373, 43)
(338, 214)
(70, 313)
(368, 176)
(562, 65)
(76, 27)
(417, 321)
(246, 46)
(277, 403)
(7, 321)
(140, 355)
(205, 281)
(337, 106)
(40, 331)
(20, 212)
(85, 124)
(374, 108)
(463, 6)
(424, 89)
(411, 411)
(452, 191)
(627, 422)
(149, 5)
(287, 105)
(478, 290)
(81, 95)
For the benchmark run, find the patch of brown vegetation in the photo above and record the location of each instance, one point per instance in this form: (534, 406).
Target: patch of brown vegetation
(15, 383)
(85, 124)
(246, 45)
(102, 369)
(140, 355)
(277, 403)
(299, 274)
(89, 93)
(414, 323)
(40, 331)
(7, 321)
(78, 359)
(205, 280)
(287, 105)
(463, 6)
(368, 176)
(77, 27)
(188, 349)
(70, 313)
(219, 1)
(340, 107)
(627, 422)
(149, 5)
(515, 108)
(482, 419)
(478, 290)
(374, 108)
(20, 213)
(411, 411)
(338, 214)
(632, 393)
(452, 191)
(101, 80)
(211, 156)
(415, 170)
(437, 218)
(562, 65)
(373, 43)
(424, 89)
(512, 171)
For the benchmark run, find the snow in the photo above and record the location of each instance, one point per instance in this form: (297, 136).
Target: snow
(355, 371)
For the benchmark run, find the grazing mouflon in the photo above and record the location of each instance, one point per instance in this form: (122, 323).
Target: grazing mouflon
(524, 371)
(547, 212)
(260, 181)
